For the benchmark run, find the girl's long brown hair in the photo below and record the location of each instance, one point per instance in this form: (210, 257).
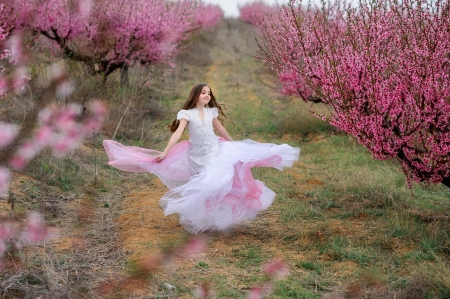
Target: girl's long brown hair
(191, 102)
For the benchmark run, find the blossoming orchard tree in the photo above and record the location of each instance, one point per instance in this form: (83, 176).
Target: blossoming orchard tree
(384, 67)
(113, 34)
(255, 12)
(209, 15)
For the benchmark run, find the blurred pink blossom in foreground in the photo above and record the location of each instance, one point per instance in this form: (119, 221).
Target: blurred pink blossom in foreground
(276, 268)
(59, 130)
(8, 133)
(5, 177)
(260, 292)
(195, 246)
(202, 292)
(35, 231)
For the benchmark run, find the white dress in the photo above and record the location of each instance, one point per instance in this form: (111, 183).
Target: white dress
(210, 183)
(204, 143)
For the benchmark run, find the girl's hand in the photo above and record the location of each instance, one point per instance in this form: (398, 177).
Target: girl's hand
(160, 157)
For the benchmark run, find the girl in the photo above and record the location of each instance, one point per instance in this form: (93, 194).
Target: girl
(210, 180)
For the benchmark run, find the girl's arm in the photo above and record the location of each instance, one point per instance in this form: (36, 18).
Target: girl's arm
(173, 139)
(221, 129)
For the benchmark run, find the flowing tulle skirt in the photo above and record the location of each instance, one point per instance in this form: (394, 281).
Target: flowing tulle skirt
(218, 198)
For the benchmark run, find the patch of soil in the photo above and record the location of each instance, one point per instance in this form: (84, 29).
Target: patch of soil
(142, 226)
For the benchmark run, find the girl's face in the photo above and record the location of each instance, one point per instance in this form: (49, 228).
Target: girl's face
(205, 96)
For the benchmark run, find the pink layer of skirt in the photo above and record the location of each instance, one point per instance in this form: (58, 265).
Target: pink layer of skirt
(222, 196)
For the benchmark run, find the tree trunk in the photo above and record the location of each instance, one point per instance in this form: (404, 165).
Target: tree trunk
(446, 181)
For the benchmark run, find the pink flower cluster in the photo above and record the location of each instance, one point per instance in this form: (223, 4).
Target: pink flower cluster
(4, 31)
(384, 67)
(209, 16)
(59, 130)
(34, 232)
(11, 48)
(255, 12)
(110, 34)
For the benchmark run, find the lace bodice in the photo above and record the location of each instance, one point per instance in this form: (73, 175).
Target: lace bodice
(204, 142)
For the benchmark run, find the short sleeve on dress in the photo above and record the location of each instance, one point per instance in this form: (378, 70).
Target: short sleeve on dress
(215, 112)
(183, 114)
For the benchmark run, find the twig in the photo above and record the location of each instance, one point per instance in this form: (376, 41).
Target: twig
(235, 287)
(142, 132)
(121, 119)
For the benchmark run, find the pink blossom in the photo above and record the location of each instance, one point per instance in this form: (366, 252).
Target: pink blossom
(18, 162)
(65, 117)
(3, 247)
(260, 292)
(202, 291)
(65, 144)
(276, 268)
(46, 114)
(98, 107)
(209, 15)
(92, 125)
(85, 7)
(20, 78)
(255, 12)
(5, 177)
(43, 135)
(16, 50)
(8, 133)
(7, 233)
(64, 89)
(24, 154)
(35, 230)
(195, 246)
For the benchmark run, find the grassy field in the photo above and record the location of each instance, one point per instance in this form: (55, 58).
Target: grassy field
(346, 224)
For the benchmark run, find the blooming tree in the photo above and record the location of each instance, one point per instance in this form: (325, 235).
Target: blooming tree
(209, 15)
(255, 12)
(112, 34)
(384, 67)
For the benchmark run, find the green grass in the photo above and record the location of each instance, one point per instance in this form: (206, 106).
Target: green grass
(291, 289)
(382, 225)
(251, 256)
(298, 120)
